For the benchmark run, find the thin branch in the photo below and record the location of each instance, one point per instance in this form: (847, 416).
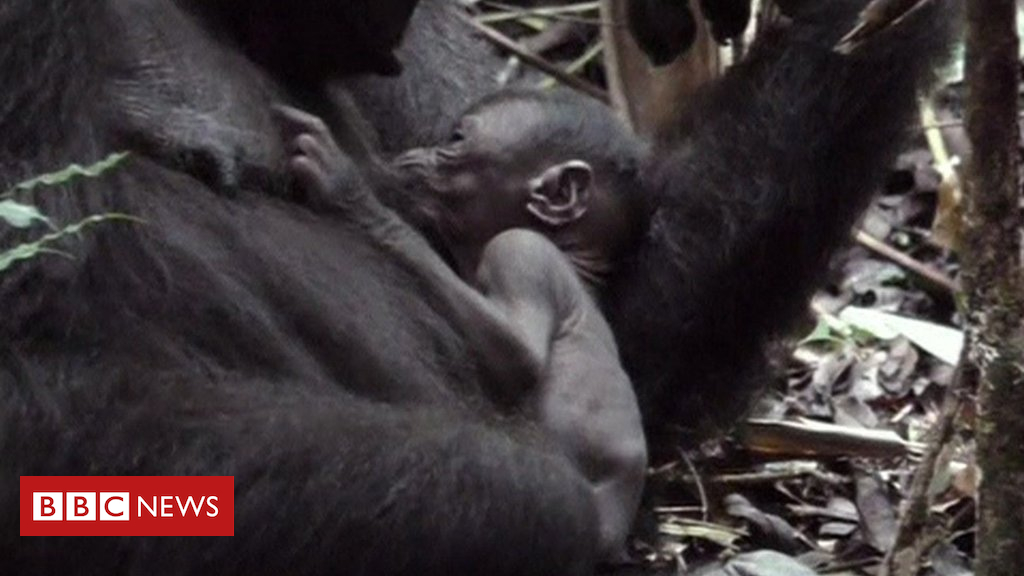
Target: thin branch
(579, 63)
(914, 536)
(536, 61)
(554, 13)
(929, 274)
(700, 485)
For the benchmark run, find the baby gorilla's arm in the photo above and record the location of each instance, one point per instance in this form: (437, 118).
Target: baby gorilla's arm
(325, 172)
(532, 282)
(585, 399)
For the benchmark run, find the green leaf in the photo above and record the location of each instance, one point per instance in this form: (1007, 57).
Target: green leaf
(21, 215)
(71, 172)
(824, 332)
(41, 246)
(942, 342)
(25, 252)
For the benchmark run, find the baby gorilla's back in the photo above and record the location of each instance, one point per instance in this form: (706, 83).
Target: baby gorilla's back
(584, 397)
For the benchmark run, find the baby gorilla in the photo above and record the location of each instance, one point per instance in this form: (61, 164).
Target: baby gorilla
(533, 227)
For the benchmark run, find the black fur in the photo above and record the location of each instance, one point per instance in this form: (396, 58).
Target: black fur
(306, 40)
(780, 159)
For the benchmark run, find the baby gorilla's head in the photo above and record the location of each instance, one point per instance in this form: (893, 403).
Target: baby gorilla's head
(553, 162)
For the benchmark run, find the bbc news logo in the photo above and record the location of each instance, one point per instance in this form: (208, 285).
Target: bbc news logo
(127, 506)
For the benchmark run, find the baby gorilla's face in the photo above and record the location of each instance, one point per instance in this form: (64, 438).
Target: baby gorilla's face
(508, 164)
(477, 183)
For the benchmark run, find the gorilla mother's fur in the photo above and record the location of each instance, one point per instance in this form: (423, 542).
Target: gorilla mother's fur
(240, 332)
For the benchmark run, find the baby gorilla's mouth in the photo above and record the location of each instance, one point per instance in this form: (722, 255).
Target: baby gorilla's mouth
(414, 194)
(418, 159)
(418, 170)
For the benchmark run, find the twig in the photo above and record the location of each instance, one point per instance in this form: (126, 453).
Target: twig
(758, 478)
(552, 13)
(848, 565)
(578, 64)
(916, 533)
(700, 485)
(927, 273)
(532, 59)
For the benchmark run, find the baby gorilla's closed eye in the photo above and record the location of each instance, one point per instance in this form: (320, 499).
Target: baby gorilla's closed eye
(457, 136)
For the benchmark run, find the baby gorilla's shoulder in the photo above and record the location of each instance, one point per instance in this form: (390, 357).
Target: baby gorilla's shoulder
(528, 263)
(527, 254)
(520, 241)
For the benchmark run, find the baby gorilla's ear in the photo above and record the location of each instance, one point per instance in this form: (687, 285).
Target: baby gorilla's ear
(561, 195)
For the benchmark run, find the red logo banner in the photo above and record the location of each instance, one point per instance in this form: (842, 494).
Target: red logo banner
(127, 506)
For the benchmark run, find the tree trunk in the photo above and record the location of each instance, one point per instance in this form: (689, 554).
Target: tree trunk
(992, 282)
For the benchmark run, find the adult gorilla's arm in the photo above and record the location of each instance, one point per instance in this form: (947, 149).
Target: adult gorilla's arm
(780, 161)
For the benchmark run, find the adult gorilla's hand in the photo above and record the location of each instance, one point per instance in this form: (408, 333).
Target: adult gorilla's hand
(664, 29)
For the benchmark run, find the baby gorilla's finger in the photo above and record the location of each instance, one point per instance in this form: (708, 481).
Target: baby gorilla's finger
(315, 149)
(294, 122)
(311, 177)
(287, 124)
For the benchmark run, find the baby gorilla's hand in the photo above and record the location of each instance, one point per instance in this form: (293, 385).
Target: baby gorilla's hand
(326, 174)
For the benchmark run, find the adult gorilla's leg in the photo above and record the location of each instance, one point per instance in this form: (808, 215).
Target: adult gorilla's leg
(325, 482)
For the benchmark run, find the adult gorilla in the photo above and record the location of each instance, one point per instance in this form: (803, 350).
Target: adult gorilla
(237, 331)
(240, 332)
